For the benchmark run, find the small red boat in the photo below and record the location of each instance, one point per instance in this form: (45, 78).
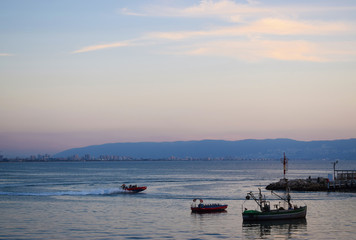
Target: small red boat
(133, 188)
(207, 208)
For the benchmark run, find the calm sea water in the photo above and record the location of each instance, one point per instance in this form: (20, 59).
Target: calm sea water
(83, 200)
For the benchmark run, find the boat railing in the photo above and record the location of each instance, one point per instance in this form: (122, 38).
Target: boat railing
(204, 205)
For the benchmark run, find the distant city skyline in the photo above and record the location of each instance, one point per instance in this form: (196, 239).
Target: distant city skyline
(79, 73)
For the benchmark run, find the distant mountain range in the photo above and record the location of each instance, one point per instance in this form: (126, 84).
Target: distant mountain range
(254, 149)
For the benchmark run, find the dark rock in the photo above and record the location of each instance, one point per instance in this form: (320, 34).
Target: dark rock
(319, 184)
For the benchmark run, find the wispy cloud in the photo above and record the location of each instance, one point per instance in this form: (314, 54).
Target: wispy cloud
(252, 32)
(101, 47)
(6, 55)
(259, 40)
(268, 26)
(224, 9)
(232, 11)
(126, 11)
(257, 49)
(277, 26)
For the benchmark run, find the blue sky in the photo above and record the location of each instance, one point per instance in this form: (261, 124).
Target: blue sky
(77, 73)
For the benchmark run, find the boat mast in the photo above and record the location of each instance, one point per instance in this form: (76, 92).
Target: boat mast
(285, 169)
(285, 165)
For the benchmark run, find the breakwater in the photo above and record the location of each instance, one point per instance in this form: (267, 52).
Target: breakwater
(314, 184)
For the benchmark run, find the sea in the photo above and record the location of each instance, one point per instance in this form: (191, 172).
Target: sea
(83, 200)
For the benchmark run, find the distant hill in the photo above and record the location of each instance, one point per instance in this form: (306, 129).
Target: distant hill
(268, 148)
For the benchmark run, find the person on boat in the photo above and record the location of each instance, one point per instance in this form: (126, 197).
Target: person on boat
(289, 203)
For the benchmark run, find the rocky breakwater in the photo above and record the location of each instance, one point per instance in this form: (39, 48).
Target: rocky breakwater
(309, 184)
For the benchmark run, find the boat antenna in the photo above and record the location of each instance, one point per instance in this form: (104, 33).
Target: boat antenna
(284, 160)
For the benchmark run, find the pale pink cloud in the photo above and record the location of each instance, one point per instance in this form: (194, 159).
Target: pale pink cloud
(231, 11)
(258, 49)
(271, 26)
(255, 35)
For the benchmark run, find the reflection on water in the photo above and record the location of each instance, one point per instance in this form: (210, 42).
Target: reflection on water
(207, 218)
(207, 215)
(284, 229)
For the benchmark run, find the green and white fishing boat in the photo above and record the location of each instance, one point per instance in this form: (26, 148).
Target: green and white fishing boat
(278, 211)
(281, 211)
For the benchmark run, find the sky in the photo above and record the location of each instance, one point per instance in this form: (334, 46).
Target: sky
(85, 72)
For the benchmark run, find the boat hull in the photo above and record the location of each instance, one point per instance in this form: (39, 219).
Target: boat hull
(209, 209)
(135, 189)
(252, 215)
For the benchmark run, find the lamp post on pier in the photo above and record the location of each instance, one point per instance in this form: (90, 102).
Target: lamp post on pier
(334, 163)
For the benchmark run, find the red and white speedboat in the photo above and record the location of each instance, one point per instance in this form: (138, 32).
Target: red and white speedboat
(207, 208)
(133, 188)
